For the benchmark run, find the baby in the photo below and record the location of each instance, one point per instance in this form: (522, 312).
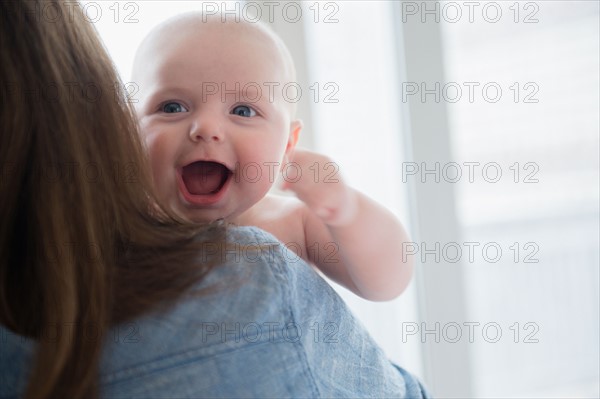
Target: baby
(219, 128)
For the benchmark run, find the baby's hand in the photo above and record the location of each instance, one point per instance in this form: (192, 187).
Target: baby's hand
(319, 185)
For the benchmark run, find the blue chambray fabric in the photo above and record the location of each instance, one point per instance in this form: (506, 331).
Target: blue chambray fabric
(270, 327)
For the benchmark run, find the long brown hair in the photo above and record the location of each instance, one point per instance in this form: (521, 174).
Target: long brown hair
(79, 245)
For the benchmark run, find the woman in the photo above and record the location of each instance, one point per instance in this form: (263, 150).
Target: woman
(103, 292)
(72, 183)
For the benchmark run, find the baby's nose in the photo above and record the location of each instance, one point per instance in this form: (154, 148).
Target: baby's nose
(206, 131)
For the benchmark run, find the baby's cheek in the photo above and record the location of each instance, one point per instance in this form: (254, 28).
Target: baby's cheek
(159, 146)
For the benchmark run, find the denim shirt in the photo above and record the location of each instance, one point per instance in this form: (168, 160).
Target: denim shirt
(270, 327)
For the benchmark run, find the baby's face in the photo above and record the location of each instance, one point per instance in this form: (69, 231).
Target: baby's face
(215, 136)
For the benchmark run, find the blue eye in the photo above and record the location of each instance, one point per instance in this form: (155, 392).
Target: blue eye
(173, 108)
(243, 110)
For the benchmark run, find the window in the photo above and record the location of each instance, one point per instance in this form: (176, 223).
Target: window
(477, 123)
(542, 133)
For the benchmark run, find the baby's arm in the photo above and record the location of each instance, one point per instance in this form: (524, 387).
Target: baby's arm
(352, 239)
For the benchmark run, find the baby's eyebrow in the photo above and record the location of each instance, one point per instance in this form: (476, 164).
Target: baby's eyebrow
(169, 90)
(251, 92)
(152, 96)
(264, 92)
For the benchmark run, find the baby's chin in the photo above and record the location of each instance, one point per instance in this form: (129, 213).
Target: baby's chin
(203, 216)
(233, 210)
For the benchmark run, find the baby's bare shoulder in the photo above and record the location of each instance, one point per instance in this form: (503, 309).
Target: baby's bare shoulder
(281, 216)
(278, 206)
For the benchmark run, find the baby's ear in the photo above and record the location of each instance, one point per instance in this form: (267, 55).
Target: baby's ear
(295, 128)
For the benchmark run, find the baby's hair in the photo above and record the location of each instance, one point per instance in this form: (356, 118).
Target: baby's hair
(197, 21)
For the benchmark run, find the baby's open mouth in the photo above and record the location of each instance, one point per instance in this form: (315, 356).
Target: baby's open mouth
(205, 177)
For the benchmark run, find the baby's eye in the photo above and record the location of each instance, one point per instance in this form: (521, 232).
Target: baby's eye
(173, 107)
(243, 110)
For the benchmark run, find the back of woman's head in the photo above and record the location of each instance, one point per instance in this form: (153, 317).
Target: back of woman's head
(79, 246)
